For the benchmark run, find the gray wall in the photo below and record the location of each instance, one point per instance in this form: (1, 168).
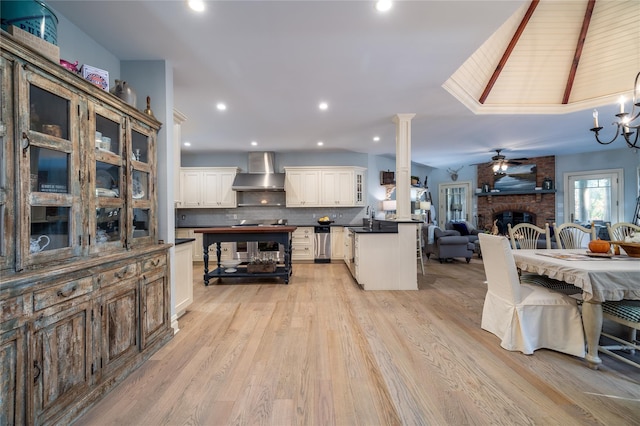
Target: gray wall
(76, 46)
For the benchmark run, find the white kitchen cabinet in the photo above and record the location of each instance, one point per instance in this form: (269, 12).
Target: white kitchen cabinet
(386, 260)
(348, 237)
(302, 187)
(342, 187)
(184, 278)
(324, 186)
(302, 243)
(337, 243)
(197, 253)
(190, 187)
(207, 187)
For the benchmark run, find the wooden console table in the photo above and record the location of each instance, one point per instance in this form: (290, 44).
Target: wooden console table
(276, 233)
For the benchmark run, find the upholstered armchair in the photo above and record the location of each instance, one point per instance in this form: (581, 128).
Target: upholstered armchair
(465, 229)
(446, 244)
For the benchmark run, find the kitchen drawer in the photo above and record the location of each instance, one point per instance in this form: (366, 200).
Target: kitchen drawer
(154, 262)
(302, 252)
(302, 234)
(115, 275)
(62, 292)
(14, 307)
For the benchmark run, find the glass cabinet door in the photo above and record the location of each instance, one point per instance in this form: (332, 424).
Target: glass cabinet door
(141, 187)
(49, 169)
(107, 227)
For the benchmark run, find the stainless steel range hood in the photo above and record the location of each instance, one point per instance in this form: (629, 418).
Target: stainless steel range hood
(261, 174)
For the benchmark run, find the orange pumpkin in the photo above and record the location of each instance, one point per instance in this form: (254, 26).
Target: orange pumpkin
(599, 246)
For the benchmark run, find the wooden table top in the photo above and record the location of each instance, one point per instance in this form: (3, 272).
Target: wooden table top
(266, 229)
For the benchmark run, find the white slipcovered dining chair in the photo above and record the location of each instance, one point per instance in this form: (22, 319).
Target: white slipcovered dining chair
(573, 236)
(528, 236)
(526, 317)
(618, 231)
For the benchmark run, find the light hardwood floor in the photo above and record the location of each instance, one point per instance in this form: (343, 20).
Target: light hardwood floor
(320, 351)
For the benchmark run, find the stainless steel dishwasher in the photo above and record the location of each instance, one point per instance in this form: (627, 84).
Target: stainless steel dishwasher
(322, 244)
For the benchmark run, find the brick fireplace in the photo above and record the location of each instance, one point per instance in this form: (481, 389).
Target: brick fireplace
(528, 206)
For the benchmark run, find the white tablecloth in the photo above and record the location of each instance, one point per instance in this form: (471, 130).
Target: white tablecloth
(600, 279)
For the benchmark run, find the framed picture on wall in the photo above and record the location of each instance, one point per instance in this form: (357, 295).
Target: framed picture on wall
(517, 178)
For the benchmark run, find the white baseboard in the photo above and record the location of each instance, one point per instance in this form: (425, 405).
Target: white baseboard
(174, 324)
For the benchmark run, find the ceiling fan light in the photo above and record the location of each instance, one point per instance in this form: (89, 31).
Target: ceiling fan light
(503, 167)
(496, 167)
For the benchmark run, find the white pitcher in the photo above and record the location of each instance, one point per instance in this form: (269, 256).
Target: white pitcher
(35, 246)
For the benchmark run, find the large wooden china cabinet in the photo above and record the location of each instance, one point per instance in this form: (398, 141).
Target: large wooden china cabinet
(84, 291)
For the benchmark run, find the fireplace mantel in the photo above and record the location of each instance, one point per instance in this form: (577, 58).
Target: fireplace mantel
(539, 191)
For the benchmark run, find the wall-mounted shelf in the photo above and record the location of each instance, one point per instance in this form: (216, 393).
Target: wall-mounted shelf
(540, 191)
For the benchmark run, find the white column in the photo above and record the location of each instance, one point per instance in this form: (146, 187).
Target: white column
(403, 165)
(178, 119)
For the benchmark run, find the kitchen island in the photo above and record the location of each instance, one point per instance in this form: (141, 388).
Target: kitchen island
(217, 235)
(383, 257)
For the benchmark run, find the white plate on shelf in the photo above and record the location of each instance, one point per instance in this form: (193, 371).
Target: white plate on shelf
(104, 179)
(138, 191)
(230, 270)
(102, 192)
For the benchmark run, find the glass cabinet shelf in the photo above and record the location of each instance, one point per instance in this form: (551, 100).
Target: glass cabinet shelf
(141, 222)
(49, 113)
(49, 228)
(49, 170)
(140, 147)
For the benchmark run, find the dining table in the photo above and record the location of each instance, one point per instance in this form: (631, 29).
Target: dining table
(601, 277)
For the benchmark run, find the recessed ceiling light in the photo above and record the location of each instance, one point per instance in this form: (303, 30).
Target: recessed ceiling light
(187, 144)
(221, 106)
(320, 143)
(376, 138)
(323, 106)
(196, 5)
(383, 5)
(254, 143)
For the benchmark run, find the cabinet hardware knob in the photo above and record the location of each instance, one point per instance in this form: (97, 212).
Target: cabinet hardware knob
(121, 274)
(69, 293)
(25, 144)
(38, 371)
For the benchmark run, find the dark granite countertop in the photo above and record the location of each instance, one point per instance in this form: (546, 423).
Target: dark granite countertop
(183, 240)
(366, 230)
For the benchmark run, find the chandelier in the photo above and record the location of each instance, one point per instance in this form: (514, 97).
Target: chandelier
(625, 123)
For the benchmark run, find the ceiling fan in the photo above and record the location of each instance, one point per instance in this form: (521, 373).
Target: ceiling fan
(500, 163)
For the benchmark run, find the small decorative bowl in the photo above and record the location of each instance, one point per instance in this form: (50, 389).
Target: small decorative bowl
(325, 222)
(232, 263)
(632, 249)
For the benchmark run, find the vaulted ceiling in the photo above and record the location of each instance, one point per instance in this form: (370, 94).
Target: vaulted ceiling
(272, 62)
(553, 57)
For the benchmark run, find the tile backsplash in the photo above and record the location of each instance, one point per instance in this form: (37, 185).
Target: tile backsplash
(186, 218)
